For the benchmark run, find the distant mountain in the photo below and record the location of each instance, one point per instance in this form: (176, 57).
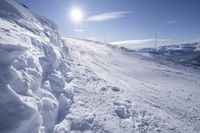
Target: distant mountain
(188, 53)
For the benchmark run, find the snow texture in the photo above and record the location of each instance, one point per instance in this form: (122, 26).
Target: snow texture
(50, 84)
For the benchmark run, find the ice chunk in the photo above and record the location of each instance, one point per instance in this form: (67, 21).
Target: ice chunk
(49, 113)
(63, 127)
(64, 106)
(16, 81)
(57, 82)
(15, 115)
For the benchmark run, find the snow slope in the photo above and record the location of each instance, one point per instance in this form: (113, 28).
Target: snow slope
(134, 93)
(54, 85)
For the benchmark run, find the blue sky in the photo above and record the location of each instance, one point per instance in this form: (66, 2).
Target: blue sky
(173, 20)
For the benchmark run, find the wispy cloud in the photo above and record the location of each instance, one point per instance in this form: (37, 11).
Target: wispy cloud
(108, 16)
(78, 30)
(170, 22)
(142, 41)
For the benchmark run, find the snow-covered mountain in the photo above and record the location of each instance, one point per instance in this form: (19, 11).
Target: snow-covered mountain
(50, 84)
(188, 53)
(185, 53)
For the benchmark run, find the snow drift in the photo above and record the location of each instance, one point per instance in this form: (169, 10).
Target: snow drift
(33, 77)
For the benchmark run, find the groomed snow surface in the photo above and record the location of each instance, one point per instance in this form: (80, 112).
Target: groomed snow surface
(54, 85)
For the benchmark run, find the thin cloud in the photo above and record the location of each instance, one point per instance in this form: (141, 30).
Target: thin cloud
(107, 16)
(142, 41)
(79, 30)
(139, 44)
(170, 22)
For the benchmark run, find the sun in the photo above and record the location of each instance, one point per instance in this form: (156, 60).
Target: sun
(76, 15)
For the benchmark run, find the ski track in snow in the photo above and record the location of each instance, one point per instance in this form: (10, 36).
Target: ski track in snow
(54, 85)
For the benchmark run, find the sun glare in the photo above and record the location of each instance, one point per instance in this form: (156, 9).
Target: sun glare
(76, 15)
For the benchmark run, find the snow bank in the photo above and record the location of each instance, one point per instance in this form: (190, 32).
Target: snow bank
(34, 94)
